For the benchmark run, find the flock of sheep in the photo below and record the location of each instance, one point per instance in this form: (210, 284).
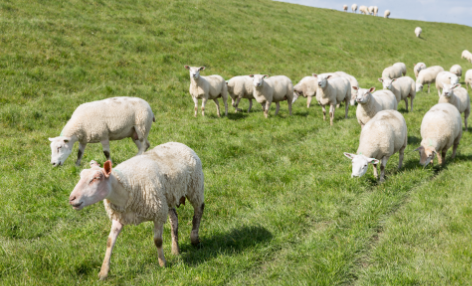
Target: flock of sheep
(371, 10)
(149, 186)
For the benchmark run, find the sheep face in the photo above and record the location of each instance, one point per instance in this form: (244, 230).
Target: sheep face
(360, 164)
(419, 87)
(61, 147)
(322, 80)
(426, 154)
(364, 95)
(194, 71)
(258, 79)
(94, 186)
(387, 83)
(448, 89)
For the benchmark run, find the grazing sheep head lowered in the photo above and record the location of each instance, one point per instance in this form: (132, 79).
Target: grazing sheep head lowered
(387, 83)
(419, 87)
(363, 95)
(61, 147)
(194, 71)
(322, 80)
(94, 186)
(360, 164)
(258, 79)
(426, 155)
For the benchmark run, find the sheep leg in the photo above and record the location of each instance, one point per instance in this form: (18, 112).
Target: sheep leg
(376, 174)
(250, 105)
(289, 107)
(332, 108)
(324, 112)
(346, 108)
(466, 115)
(116, 228)
(406, 104)
(217, 106)
(197, 217)
(204, 100)
(106, 148)
(441, 155)
(402, 153)
(411, 102)
(278, 108)
(195, 100)
(382, 168)
(174, 226)
(235, 105)
(267, 107)
(225, 102)
(454, 148)
(429, 85)
(158, 230)
(308, 101)
(338, 105)
(80, 153)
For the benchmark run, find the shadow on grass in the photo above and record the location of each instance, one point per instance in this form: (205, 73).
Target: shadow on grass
(230, 243)
(237, 116)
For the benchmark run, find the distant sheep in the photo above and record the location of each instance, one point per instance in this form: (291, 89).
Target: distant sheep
(392, 72)
(207, 87)
(441, 128)
(468, 79)
(363, 10)
(376, 10)
(457, 70)
(332, 91)
(307, 88)
(418, 67)
(402, 87)
(427, 76)
(387, 14)
(418, 31)
(466, 55)
(370, 10)
(443, 78)
(354, 8)
(370, 104)
(457, 96)
(273, 89)
(384, 135)
(345, 8)
(240, 87)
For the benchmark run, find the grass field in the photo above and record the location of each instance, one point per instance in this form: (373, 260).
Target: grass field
(281, 208)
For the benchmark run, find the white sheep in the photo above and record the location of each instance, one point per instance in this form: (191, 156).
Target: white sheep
(370, 104)
(418, 67)
(370, 9)
(457, 70)
(345, 8)
(145, 188)
(418, 32)
(332, 91)
(384, 135)
(394, 71)
(402, 87)
(445, 77)
(240, 87)
(101, 121)
(272, 89)
(427, 76)
(207, 87)
(466, 55)
(352, 81)
(387, 13)
(363, 10)
(354, 8)
(376, 10)
(468, 79)
(441, 128)
(400, 66)
(307, 88)
(457, 96)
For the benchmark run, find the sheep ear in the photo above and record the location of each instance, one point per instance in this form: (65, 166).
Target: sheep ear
(94, 163)
(394, 79)
(456, 85)
(226, 82)
(265, 76)
(314, 75)
(381, 80)
(187, 67)
(419, 149)
(51, 139)
(201, 68)
(373, 161)
(328, 77)
(355, 87)
(107, 168)
(251, 75)
(349, 155)
(372, 89)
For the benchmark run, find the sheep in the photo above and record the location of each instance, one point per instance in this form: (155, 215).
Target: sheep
(394, 71)
(352, 81)
(457, 96)
(113, 118)
(272, 89)
(370, 10)
(363, 10)
(240, 87)
(307, 88)
(401, 66)
(466, 55)
(384, 135)
(207, 87)
(332, 91)
(354, 8)
(427, 76)
(145, 188)
(376, 10)
(370, 104)
(418, 31)
(418, 67)
(345, 8)
(387, 13)
(445, 77)
(457, 70)
(441, 128)
(402, 88)
(468, 79)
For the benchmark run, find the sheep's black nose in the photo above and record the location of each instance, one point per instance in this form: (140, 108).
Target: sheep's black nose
(54, 164)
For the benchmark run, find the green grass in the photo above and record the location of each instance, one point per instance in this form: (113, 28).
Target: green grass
(281, 208)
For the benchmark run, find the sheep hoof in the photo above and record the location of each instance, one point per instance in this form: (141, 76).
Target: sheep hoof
(102, 276)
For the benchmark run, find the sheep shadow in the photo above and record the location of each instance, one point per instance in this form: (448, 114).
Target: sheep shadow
(237, 116)
(230, 243)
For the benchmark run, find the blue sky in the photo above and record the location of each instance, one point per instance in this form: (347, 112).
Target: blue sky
(450, 11)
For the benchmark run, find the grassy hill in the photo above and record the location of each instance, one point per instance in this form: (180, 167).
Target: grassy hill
(281, 208)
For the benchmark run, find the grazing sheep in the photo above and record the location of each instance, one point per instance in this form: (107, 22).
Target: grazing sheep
(441, 128)
(457, 70)
(345, 8)
(272, 89)
(376, 10)
(418, 31)
(427, 76)
(468, 79)
(354, 8)
(332, 91)
(363, 10)
(445, 77)
(384, 135)
(370, 10)
(145, 188)
(207, 87)
(418, 67)
(370, 104)
(400, 66)
(353, 82)
(240, 87)
(466, 55)
(402, 87)
(101, 121)
(307, 88)
(387, 13)
(457, 96)
(394, 71)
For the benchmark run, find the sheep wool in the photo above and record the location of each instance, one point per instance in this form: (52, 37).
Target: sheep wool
(468, 78)
(418, 67)
(306, 87)
(427, 76)
(457, 96)
(418, 32)
(240, 87)
(354, 8)
(445, 77)
(457, 70)
(370, 104)
(387, 14)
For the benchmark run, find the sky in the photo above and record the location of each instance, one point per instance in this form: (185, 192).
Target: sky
(450, 11)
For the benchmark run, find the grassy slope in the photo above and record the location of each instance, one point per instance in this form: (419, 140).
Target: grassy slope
(281, 208)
